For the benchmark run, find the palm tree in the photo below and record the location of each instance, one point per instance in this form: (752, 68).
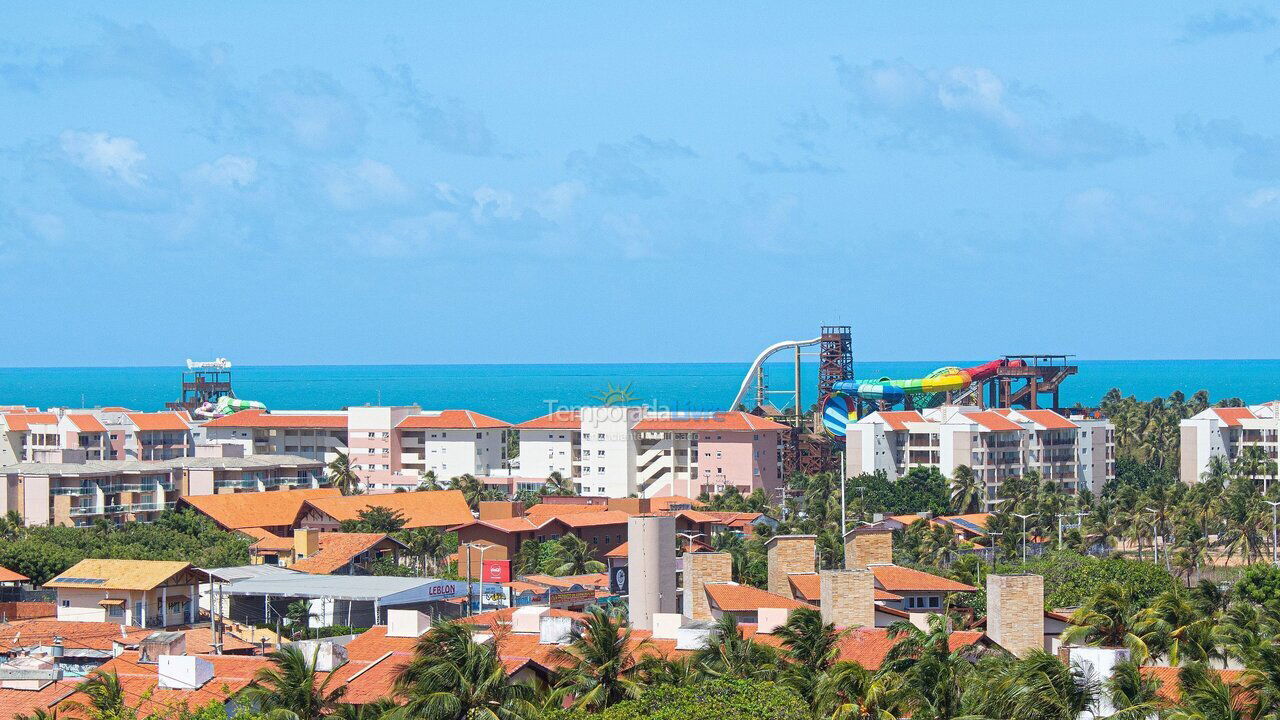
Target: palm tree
(932, 672)
(848, 691)
(1172, 627)
(341, 474)
(603, 662)
(575, 557)
(290, 683)
(452, 677)
(1108, 619)
(1134, 696)
(730, 654)
(12, 526)
(384, 709)
(966, 491)
(1261, 681)
(1038, 686)
(106, 699)
(557, 484)
(427, 480)
(299, 615)
(472, 489)
(813, 647)
(1206, 697)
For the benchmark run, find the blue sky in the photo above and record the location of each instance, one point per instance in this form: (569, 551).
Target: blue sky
(594, 182)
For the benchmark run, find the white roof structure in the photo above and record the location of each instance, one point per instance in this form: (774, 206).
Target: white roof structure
(380, 589)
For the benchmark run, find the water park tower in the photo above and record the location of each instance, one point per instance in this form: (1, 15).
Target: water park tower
(204, 382)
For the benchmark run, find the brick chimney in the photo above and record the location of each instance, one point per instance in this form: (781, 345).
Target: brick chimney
(848, 597)
(868, 546)
(701, 568)
(1015, 612)
(501, 509)
(789, 554)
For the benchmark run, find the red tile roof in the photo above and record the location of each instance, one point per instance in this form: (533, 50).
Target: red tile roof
(277, 508)
(717, 422)
(1170, 688)
(86, 423)
(22, 422)
(897, 579)
(898, 420)
(231, 674)
(451, 419)
(1231, 416)
(808, 586)
(546, 510)
(26, 702)
(581, 520)
(865, 646)
(558, 420)
(263, 419)
(730, 597)
(7, 575)
(993, 421)
(1048, 419)
(423, 508)
(87, 635)
(663, 504)
(336, 550)
(267, 540)
(158, 421)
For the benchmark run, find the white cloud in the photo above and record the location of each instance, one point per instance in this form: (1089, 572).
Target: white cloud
(229, 171)
(115, 157)
(367, 183)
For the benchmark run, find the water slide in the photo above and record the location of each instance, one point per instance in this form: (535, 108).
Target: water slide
(227, 405)
(841, 406)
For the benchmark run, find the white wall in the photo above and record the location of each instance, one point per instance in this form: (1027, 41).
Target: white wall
(543, 452)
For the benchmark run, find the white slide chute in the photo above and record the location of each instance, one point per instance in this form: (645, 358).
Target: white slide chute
(760, 360)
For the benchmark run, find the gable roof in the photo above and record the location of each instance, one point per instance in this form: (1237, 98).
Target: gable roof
(23, 421)
(254, 418)
(808, 586)
(337, 549)
(86, 423)
(158, 421)
(17, 634)
(140, 683)
(276, 508)
(1048, 419)
(1170, 689)
(897, 579)
(898, 419)
(7, 575)
(731, 597)
(266, 540)
(558, 420)
(718, 422)
(993, 421)
(422, 508)
(118, 574)
(1231, 416)
(452, 419)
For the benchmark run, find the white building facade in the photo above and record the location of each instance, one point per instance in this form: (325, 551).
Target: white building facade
(1225, 433)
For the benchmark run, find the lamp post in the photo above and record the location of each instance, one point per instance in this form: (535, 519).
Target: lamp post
(482, 549)
(1155, 534)
(1060, 516)
(1024, 534)
(1275, 559)
(843, 523)
(995, 538)
(689, 537)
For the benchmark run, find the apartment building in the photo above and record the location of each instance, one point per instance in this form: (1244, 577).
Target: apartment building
(1225, 433)
(619, 451)
(147, 436)
(1075, 452)
(23, 434)
(388, 446)
(64, 487)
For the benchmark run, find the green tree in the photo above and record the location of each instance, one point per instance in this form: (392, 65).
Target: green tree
(1109, 619)
(104, 698)
(452, 677)
(812, 647)
(290, 683)
(342, 475)
(602, 661)
(574, 557)
(967, 491)
(375, 519)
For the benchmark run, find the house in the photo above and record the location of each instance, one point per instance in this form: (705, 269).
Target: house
(276, 514)
(146, 593)
(323, 553)
(421, 509)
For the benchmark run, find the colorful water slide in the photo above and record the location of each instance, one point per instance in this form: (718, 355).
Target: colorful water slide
(841, 406)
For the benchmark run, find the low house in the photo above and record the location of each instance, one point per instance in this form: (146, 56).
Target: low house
(422, 509)
(321, 553)
(145, 593)
(275, 513)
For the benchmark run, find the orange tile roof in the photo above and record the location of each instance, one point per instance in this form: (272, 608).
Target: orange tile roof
(730, 597)
(718, 422)
(267, 540)
(88, 635)
(545, 510)
(374, 643)
(866, 646)
(558, 420)
(582, 520)
(231, 674)
(590, 580)
(22, 422)
(897, 579)
(898, 420)
(26, 702)
(1048, 419)
(618, 552)
(369, 682)
(7, 575)
(423, 508)
(808, 586)
(336, 550)
(519, 586)
(278, 508)
(501, 619)
(993, 421)
(663, 504)
(86, 423)
(263, 419)
(1170, 689)
(115, 408)
(157, 421)
(451, 419)
(1231, 416)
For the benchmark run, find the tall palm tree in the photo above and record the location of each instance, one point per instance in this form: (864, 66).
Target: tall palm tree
(967, 491)
(849, 691)
(341, 474)
(603, 662)
(452, 677)
(1173, 628)
(428, 546)
(299, 615)
(1038, 686)
(813, 647)
(1205, 696)
(290, 683)
(1109, 619)
(575, 557)
(428, 480)
(933, 673)
(730, 654)
(105, 698)
(1135, 696)
(558, 484)
(472, 489)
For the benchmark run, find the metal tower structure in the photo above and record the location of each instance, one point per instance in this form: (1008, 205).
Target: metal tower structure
(835, 357)
(204, 382)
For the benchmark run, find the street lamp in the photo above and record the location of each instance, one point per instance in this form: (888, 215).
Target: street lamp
(689, 537)
(1024, 534)
(1155, 533)
(1273, 503)
(995, 537)
(481, 548)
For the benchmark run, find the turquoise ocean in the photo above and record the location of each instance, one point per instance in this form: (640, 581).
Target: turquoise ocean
(520, 392)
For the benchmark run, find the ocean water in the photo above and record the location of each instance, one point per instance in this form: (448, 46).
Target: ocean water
(520, 392)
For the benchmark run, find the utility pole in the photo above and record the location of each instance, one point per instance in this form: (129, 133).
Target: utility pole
(1024, 534)
(1155, 535)
(1275, 557)
(844, 523)
(995, 538)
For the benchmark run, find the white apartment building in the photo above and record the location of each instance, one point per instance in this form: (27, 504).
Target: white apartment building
(1075, 452)
(387, 446)
(1225, 433)
(101, 433)
(618, 451)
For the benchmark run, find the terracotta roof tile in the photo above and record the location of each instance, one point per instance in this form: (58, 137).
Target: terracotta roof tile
(26, 702)
(263, 419)
(423, 508)
(553, 509)
(731, 597)
(717, 422)
(22, 422)
(7, 575)
(808, 586)
(231, 674)
(865, 646)
(897, 579)
(87, 635)
(86, 423)
(267, 540)
(1048, 419)
(559, 420)
(1231, 416)
(898, 419)
(1170, 688)
(451, 419)
(993, 421)
(276, 508)
(336, 550)
(161, 421)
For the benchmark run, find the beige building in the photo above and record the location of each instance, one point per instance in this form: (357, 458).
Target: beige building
(1225, 433)
(140, 593)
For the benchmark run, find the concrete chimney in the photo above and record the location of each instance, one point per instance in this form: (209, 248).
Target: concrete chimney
(528, 619)
(555, 630)
(184, 672)
(848, 597)
(651, 564)
(701, 568)
(666, 625)
(1015, 612)
(790, 554)
(403, 623)
(159, 644)
(868, 546)
(770, 619)
(325, 655)
(306, 542)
